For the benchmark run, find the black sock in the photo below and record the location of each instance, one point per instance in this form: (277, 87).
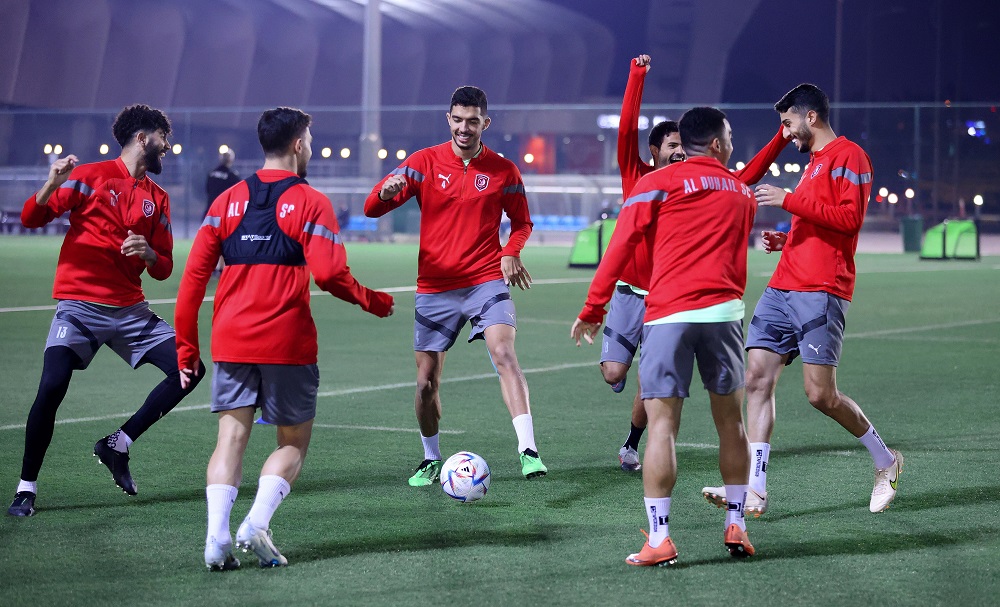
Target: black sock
(633, 437)
(166, 394)
(57, 370)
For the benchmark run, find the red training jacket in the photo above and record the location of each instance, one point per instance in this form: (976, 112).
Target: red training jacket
(460, 209)
(262, 311)
(697, 216)
(632, 168)
(105, 202)
(828, 207)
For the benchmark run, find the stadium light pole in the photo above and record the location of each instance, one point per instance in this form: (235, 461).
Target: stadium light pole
(369, 165)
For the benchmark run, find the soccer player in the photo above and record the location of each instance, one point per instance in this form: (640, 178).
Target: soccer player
(463, 274)
(623, 329)
(119, 228)
(696, 217)
(273, 230)
(802, 312)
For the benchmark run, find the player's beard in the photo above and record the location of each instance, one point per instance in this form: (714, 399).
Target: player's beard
(151, 156)
(803, 137)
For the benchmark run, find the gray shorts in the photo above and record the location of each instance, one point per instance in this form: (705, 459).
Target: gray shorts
(85, 327)
(439, 317)
(286, 394)
(623, 327)
(669, 352)
(799, 323)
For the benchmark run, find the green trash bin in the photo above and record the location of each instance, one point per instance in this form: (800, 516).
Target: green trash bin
(912, 229)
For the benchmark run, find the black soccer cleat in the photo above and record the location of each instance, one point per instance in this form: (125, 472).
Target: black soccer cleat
(23, 504)
(117, 463)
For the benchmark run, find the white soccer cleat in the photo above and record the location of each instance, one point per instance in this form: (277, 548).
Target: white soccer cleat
(886, 481)
(756, 503)
(219, 557)
(258, 541)
(629, 459)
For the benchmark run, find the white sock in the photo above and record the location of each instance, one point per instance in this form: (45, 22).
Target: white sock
(432, 450)
(220, 504)
(759, 454)
(119, 441)
(525, 433)
(880, 453)
(270, 491)
(736, 498)
(27, 486)
(658, 514)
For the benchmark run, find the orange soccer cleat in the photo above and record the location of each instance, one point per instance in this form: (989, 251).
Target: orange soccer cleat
(738, 543)
(661, 556)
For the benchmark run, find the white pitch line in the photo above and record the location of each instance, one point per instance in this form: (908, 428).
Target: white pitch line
(948, 325)
(342, 392)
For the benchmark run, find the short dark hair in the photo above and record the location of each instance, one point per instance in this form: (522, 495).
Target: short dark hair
(660, 132)
(279, 128)
(699, 126)
(138, 117)
(803, 98)
(469, 96)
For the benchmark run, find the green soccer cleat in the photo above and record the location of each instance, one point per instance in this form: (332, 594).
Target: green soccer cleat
(531, 464)
(428, 473)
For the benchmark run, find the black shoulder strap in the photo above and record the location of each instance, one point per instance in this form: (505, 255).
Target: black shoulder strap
(265, 195)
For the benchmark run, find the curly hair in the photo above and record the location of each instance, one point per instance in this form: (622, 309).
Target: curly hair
(138, 117)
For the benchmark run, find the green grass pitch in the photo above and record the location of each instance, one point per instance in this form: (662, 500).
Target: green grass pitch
(920, 357)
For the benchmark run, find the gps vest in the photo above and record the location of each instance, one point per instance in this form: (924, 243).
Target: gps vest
(258, 239)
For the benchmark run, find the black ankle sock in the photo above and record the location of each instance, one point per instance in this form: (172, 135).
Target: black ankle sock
(633, 437)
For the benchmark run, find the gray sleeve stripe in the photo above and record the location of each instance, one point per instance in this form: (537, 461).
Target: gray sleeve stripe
(514, 189)
(851, 176)
(318, 230)
(211, 221)
(413, 174)
(79, 186)
(651, 196)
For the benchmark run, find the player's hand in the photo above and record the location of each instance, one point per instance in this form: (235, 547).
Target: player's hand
(514, 272)
(769, 196)
(186, 375)
(60, 170)
(135, 244)
(584, 329)
(773, 240)
(643, 61)
(392, 186)
(392, 310)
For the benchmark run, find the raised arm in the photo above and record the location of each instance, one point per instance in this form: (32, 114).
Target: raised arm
(762, 160)
(628, 124)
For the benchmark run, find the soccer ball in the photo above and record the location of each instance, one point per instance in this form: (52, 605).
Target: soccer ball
(465, 477)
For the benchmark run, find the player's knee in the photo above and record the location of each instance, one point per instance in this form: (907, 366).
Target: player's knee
(427, 386)
(504, 357)
(822, 398)
(613, 372)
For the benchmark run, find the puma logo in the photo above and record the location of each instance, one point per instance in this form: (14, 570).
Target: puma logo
(114, 197)
(445, 180)
(815, 348)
